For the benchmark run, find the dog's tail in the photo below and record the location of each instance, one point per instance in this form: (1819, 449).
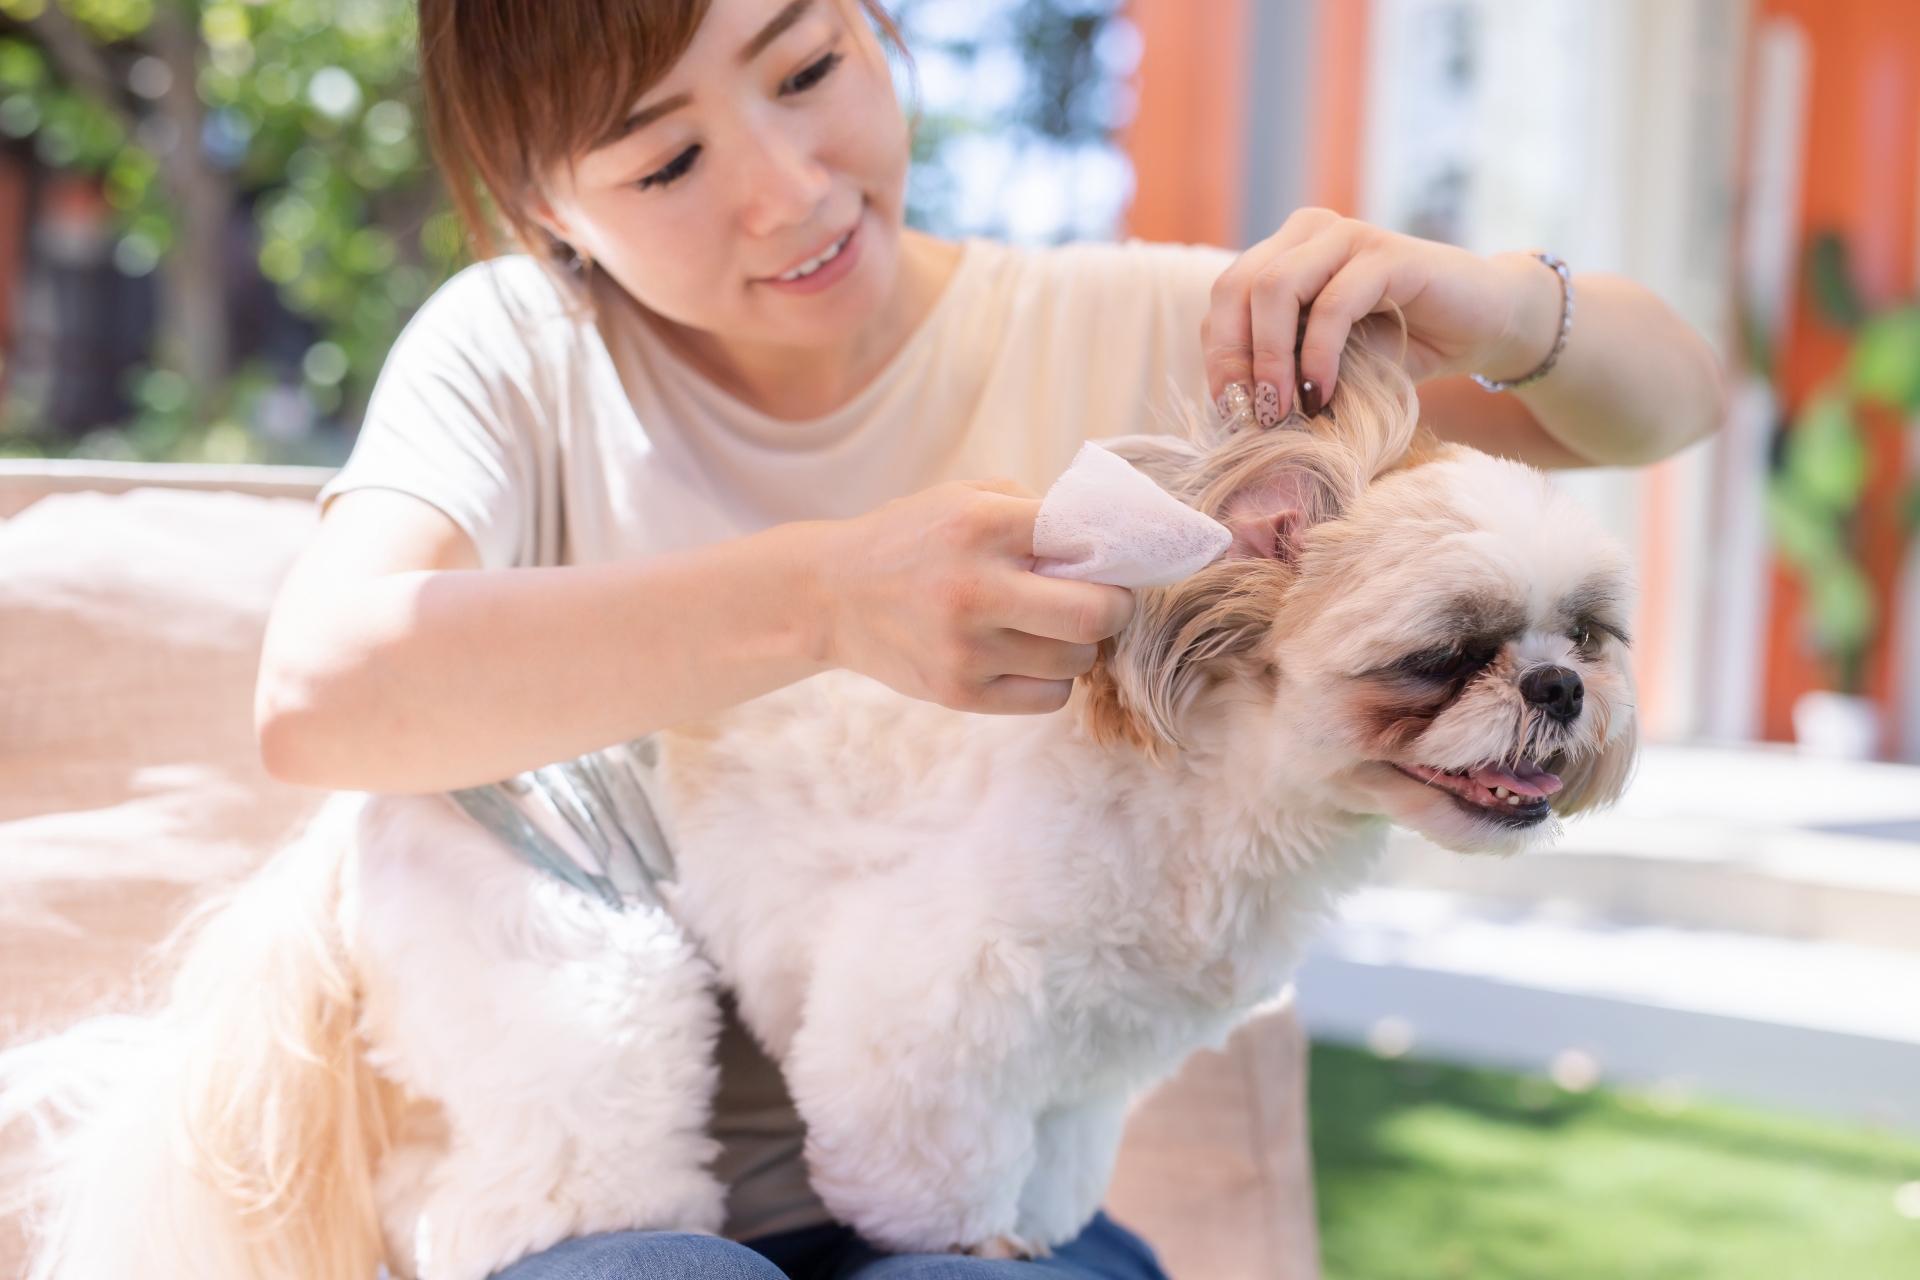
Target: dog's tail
(233, 1134)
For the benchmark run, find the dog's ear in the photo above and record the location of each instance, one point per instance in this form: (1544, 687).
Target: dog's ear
(1180, 638)
(1104, 708)
(1268, 517)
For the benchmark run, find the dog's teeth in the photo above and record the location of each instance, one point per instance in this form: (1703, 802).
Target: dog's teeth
(1501, 792)
(1513, 799)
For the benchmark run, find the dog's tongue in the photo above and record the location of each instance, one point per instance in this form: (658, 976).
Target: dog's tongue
(1522, 778)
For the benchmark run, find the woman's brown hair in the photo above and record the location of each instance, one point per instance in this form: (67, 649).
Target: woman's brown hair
(515, 87)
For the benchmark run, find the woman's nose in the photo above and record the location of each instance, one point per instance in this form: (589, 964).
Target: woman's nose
(783, 181)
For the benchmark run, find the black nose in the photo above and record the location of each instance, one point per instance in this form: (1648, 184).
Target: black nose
(1555, 690)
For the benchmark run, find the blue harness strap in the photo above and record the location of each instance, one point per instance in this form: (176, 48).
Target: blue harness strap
(593, 823)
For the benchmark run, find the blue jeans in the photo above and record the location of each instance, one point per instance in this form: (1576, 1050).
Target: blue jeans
(1104, 1251)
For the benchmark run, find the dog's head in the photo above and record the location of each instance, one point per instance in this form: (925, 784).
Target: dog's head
(1419, 631)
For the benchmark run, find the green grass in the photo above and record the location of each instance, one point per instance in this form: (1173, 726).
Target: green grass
(1427, 1172)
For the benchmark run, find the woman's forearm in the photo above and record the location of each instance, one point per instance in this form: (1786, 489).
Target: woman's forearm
(425, 681)
(392, 664)
(1635, 383)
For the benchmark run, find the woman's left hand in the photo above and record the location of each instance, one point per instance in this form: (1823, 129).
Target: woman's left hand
(1320, 274)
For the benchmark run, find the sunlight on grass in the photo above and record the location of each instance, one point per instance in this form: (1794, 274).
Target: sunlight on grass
(1427, 1172)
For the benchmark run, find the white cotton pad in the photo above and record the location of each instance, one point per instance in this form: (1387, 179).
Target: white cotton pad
(1105, 522)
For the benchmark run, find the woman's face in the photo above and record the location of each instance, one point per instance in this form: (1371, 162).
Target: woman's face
(757, 191)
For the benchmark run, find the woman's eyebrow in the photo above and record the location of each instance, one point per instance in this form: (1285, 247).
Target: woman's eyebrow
(781, 22)
(773, 30)
(647, 115)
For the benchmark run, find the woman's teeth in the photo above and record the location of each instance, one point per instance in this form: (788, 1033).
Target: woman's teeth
(820, 260)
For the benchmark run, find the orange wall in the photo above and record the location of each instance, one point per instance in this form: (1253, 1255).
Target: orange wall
(1340, 98)
(1860, 179)
(1189, 130)
(1188, 139)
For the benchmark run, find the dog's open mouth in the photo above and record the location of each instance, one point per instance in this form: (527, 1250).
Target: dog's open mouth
(1514, 792)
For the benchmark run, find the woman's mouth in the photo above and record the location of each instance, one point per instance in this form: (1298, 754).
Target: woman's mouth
(824, 268)
(818, 260)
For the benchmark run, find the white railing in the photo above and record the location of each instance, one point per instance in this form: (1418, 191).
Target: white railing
(25, 481)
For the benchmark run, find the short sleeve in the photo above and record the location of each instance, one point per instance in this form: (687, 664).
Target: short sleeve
(1134, 311)
(461, 415)
(1099, 340)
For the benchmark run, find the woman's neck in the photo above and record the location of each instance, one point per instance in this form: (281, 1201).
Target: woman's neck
(800, 383)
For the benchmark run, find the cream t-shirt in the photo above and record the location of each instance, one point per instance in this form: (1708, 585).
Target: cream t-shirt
(552, 441)
(554, 432)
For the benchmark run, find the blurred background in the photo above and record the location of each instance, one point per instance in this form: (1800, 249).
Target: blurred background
(1698, 1017)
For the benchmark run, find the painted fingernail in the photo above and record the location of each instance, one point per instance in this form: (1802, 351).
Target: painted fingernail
(1266, 405)
(1235, 405)
(1310, 398)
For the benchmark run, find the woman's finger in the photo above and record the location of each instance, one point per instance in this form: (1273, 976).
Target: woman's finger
(1015, 653)
(1021, 696)
(1062, 609)
(1000, 521)
(1002, 485)
(1285, 295)
(1274, 315)
(1301, 226)
(1356, 291)
(1226, 334)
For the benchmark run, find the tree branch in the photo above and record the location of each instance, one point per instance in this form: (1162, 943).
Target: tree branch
(81, 63)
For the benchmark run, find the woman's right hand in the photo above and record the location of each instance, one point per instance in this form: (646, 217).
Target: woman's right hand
(394, 663)
(934, 596)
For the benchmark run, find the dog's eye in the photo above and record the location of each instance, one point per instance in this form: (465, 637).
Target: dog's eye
(1588, 639)
(1449, 664)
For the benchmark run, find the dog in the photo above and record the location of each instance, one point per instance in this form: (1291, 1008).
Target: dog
(967, 940)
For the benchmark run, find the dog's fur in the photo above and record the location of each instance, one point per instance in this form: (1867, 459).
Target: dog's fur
(967, 939)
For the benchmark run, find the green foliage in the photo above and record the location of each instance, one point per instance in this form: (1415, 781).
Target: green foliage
(1886, 360)
(1812, 502)
(69, 129)
(311, 109)
(1814, 496)
(1426, 1172)
(326, 96)
(1831, 282)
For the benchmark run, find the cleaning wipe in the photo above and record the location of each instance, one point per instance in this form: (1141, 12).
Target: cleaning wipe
(1104, 522)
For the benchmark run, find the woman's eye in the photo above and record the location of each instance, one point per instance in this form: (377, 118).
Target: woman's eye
(672, 169)
(811, 74)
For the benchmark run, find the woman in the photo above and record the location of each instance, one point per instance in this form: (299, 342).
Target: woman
(738, 428)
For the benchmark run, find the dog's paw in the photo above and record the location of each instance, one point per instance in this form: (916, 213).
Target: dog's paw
(1007, 1249)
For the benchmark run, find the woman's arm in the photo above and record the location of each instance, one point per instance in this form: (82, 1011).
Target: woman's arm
(393, 663)
(1633, 385)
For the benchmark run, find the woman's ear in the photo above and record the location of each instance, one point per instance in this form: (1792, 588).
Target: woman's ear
(540, 209)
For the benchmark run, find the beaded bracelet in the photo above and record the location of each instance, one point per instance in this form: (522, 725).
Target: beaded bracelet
(1545, 367)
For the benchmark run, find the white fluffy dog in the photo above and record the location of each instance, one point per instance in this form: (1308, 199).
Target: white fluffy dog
(968, 940)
